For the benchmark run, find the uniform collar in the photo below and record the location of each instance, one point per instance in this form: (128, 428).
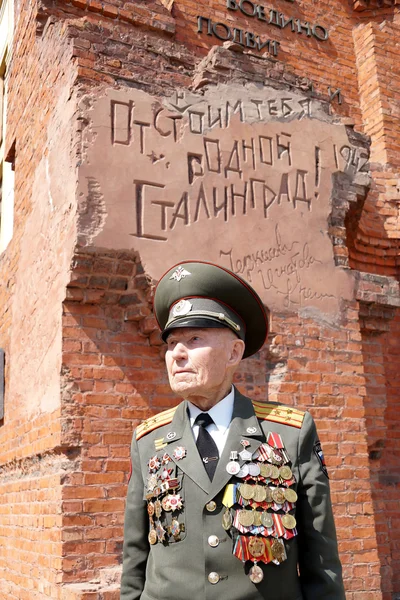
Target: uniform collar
(221, 413)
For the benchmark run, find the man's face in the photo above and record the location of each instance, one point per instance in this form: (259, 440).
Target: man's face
(200, 361)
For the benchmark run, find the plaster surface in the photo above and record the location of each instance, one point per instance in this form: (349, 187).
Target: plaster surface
(238, 175)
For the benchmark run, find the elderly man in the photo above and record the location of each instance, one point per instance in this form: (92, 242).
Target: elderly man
(228, 498)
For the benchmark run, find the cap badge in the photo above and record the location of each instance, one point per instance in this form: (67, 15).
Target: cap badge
(183, 307)
(180, 273)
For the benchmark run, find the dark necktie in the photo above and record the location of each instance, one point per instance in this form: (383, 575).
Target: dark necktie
(205, 444)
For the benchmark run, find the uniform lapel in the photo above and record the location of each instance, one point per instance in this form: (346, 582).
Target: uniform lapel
(244, 426)
(180, 434)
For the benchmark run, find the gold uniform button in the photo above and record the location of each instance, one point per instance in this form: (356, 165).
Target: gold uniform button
(213, 541)
(211, 506)
(213, 577)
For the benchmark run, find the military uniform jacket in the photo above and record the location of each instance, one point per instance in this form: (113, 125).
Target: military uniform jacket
(195, 558)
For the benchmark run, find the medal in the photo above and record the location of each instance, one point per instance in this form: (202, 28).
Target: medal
(245, 455)
(285, 472)
(268, 495)
(257, 518)
(233, 467)
(245, 443)
(276, 457)
(265, 470)
(289, 521)
(278, 550)
(256, 574)
(160, 532)
(152, 537)
(154, 464)
(256, 547)
(254, 469)
(165, 503)
(165, 459)
(227, 520)
(150, 509)
(175, 502)
(243, 472)
(259, 493)
(266, 519)
(151, 482)
(166, 473)
(290, 495)
(179, 453)
(246, 517)
(274, 472)
(175, 528)
(278, 496)
(246, 491)
(157, 508)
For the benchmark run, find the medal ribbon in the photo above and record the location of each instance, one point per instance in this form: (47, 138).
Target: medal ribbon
(275, 440)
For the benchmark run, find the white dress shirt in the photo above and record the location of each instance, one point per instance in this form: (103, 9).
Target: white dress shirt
(221, 414)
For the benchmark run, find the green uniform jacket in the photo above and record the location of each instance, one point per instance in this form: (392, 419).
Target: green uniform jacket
(180, 569)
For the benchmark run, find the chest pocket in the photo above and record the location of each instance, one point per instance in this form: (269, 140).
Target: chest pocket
(164, 494)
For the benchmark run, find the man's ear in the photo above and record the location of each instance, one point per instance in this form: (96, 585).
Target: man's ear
(237, 350)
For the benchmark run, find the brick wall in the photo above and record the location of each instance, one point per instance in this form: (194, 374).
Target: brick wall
(32, 460)
(84, 359)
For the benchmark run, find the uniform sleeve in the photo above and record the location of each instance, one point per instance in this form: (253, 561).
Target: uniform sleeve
(319, 564)
(136, 545)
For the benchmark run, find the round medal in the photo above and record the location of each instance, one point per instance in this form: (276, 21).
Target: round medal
(152, 537)
(268, 495)
(259, 494)
(246, 518)
(290, 495)
(274, 472)
(244, 471)
(266, 519)
(265, 470)
(289, 521)
(278, 550)
(254, 469)
(233, 467)
(256, 547)
(276, 457)
(246, 491)
(285, 472)
(165, 503)
(256, 574)
(278, 496)
(257, 518)
(150, 509)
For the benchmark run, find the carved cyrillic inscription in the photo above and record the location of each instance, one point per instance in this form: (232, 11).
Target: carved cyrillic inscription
(238, 176)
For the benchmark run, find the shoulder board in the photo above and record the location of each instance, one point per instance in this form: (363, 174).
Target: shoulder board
(152, 423)
(278, 413)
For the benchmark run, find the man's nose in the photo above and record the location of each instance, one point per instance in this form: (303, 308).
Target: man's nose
(179, 351)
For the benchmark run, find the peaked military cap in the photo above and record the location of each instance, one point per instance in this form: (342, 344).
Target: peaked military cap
(201, 294)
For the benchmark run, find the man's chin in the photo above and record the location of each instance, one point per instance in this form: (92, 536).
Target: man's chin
(184, 389)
